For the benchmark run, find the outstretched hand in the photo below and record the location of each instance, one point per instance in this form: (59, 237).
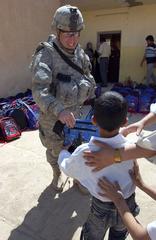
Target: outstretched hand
(99, 159)
(110, 190)
(135, 127)
(136, 176)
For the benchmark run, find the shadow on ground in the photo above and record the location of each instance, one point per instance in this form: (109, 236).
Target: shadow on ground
(56, 217)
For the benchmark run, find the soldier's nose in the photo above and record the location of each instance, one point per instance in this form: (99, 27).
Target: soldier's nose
(71, 42)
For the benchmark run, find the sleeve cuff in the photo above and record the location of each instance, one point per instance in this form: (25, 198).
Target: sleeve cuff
(63, 154)
(153, 108)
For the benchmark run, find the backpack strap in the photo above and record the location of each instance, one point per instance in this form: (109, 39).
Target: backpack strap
(67, 60)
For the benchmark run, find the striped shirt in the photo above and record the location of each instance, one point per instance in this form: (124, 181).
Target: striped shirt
(150, 53)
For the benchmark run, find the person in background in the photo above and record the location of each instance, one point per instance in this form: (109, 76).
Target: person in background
(90, 52)
(104, 54)
(113, 191)
(61, 82)
(103, 214)
(97, 68)
(145, 148)
(114, 63)
(150, 58)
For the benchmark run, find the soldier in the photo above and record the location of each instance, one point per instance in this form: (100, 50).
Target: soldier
(61, 82)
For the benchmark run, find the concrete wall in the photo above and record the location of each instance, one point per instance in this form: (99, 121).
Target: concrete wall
(23, 24)
(134, 23)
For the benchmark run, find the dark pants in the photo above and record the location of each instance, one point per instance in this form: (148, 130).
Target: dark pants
(104, 70)
(104, 216)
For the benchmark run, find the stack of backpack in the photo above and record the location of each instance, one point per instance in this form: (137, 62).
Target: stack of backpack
(17, 114)
(139, 98)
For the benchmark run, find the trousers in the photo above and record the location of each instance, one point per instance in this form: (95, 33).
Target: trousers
(104, 216)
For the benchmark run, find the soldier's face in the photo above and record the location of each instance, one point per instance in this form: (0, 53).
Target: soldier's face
(69, 39)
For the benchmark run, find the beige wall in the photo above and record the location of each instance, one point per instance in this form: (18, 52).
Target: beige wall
(134, 23)
(23, 24)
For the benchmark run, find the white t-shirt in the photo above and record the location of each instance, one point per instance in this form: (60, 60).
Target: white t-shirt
(104, 50)
(147, 140)
(75, 167)
(153, 108)
(151, 229)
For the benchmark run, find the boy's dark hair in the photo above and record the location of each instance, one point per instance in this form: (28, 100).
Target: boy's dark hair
(149, 38)
(110, 110)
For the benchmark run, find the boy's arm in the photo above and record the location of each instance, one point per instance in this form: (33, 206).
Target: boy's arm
(138, 181)
(137, 127)
(65, 163)
(149, 190)
(105, 156)
(137, 231)
(70, 164)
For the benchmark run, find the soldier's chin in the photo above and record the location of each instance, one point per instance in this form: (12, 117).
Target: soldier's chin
(70, 48)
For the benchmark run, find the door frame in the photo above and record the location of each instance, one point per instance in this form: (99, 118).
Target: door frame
(108, 33)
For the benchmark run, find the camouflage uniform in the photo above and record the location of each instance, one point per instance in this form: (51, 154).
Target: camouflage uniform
(56, 87)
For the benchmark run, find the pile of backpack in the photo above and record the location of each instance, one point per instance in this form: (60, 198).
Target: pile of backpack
(17, 113)
(139, 98)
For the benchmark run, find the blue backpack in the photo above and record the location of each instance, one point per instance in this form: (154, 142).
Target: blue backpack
(32, 113)
(81, 133)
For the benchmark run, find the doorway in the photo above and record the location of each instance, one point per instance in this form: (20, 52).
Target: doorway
(114, 39)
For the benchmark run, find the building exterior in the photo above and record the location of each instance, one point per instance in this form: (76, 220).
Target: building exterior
(27, 22)
(134, 24)
(23, 24)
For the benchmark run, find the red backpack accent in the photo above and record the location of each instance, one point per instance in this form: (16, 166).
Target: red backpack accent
(8, 129)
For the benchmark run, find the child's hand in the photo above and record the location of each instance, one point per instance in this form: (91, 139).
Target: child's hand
(99, 159)
(110, 190)
(136, 176)
(135, 127)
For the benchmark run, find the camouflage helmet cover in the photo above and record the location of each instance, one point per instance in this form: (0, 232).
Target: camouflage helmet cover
(68, 18)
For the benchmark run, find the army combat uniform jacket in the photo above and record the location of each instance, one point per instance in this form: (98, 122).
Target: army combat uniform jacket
(56, 86)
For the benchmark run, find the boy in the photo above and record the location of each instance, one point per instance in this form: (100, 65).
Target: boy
(110, 113)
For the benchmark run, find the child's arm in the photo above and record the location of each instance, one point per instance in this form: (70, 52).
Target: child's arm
(136, 176)
(72, 164)
(105, 156)
(65, 162)
(149, 190)
(137, 127)
(112, 191)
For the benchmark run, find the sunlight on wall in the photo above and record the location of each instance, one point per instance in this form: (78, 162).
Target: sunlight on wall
(134, 24)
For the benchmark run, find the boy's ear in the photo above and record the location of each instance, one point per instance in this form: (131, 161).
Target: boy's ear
(93, 120)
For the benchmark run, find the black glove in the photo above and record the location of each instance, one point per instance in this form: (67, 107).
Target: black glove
(58, 128)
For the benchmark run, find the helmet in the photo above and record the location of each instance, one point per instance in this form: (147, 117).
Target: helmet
(68, 18)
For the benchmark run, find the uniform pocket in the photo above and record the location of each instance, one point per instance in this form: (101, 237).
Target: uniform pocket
(66, 90)
(86, 90)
